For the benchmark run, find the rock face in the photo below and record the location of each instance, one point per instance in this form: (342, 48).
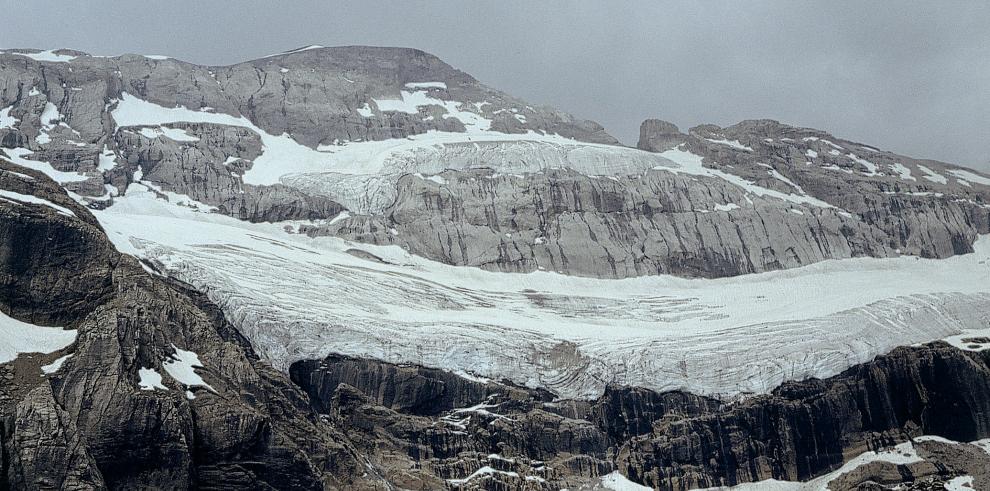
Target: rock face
(656, 135)
(658, 222)
(447, 428)
(94, 422)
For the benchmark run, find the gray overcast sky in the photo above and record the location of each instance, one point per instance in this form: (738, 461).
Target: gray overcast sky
(912, 77)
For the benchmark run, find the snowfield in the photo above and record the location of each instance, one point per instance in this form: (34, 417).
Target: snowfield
(297, 298)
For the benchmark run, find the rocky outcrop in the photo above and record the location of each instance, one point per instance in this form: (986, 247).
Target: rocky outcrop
(672, 440)
(654, 223)
(121, 412)
(657, 135)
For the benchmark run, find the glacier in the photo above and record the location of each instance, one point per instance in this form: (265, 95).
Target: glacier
(297, 297)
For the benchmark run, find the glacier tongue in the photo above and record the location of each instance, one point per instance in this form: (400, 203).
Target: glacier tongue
(297, 297)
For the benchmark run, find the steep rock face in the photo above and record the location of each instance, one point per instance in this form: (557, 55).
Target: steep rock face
(672, 440)
(122, 411)
(54, 269)
(656, 135)
(654, 223)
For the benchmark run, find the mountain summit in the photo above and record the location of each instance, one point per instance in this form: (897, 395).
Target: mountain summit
(360, 268)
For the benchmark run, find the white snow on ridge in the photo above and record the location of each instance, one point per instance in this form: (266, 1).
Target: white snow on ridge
(871, 168)
(366, 111)
(692, 164)
(20, 337)
(968, 176)
(21, 199)
(732, 143)
(55, 365)
(47, 55)
(902, 171)
(766, 328)
(426, 85)
(150, 379)
(901, 454)
(182, 367)
(16, 155)
(932, 175)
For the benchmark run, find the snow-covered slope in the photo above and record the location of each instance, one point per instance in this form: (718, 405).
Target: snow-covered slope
(297, 297)
(20, 337)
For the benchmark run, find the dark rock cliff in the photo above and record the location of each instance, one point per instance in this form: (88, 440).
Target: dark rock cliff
(90, 424)
(446, 427)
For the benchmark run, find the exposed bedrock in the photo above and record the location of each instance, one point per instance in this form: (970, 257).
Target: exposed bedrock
(655, 223)
(422, 425)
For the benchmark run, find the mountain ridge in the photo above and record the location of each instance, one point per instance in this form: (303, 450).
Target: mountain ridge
(360, 267)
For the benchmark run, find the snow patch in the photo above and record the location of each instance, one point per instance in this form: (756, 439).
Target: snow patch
(871, 168)
(426, 85)
(107, 161)
(47, 56)
(932, 175)
(18, 337)
(692, 164)
(960, 483)
(617, 482)
(171, 133)
(55, 365)
(21, 199)
(484, 471)
(366, 111)
(732, 143)
(182, 367)
(970, 176)
(149, 379)
(972, 340)
(16, 155)
(6, 120)
(902, 171)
